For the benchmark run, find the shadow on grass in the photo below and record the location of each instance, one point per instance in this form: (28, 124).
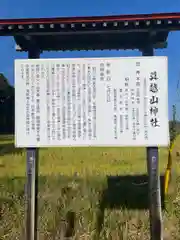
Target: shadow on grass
(125, 192)
(130, 192)
(71, 195)
(9, 148)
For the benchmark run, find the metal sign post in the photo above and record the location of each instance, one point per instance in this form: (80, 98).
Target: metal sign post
(154, 183)
(32, 182)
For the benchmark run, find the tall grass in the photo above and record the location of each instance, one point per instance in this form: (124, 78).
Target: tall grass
(86, 193)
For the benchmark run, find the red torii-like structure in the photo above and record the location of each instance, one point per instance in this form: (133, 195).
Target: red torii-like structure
(143, 31)
(91, 33)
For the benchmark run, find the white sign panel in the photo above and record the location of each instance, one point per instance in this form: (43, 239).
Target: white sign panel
(91, 102)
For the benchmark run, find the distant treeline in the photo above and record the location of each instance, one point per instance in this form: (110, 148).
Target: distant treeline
(6, 106)
(177, 124)
(7, 116)
(174, 128)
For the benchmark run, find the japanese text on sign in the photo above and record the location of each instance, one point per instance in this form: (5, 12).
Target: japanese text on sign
(91, 102)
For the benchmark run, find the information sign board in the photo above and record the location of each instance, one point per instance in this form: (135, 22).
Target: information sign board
(91, 102)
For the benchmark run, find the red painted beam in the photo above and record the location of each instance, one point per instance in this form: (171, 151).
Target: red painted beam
(96, 19)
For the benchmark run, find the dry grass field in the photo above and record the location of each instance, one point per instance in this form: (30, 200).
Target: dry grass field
(95, 192)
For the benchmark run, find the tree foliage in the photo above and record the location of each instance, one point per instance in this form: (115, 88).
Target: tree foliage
(6, 106)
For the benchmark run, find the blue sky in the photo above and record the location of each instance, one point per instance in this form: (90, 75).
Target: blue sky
(57, 8)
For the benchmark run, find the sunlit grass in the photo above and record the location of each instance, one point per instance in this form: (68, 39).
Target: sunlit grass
(81, 161)
(73, 180)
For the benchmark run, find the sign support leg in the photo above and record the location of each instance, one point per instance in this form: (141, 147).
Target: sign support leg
(155, 212)
(32, 182)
